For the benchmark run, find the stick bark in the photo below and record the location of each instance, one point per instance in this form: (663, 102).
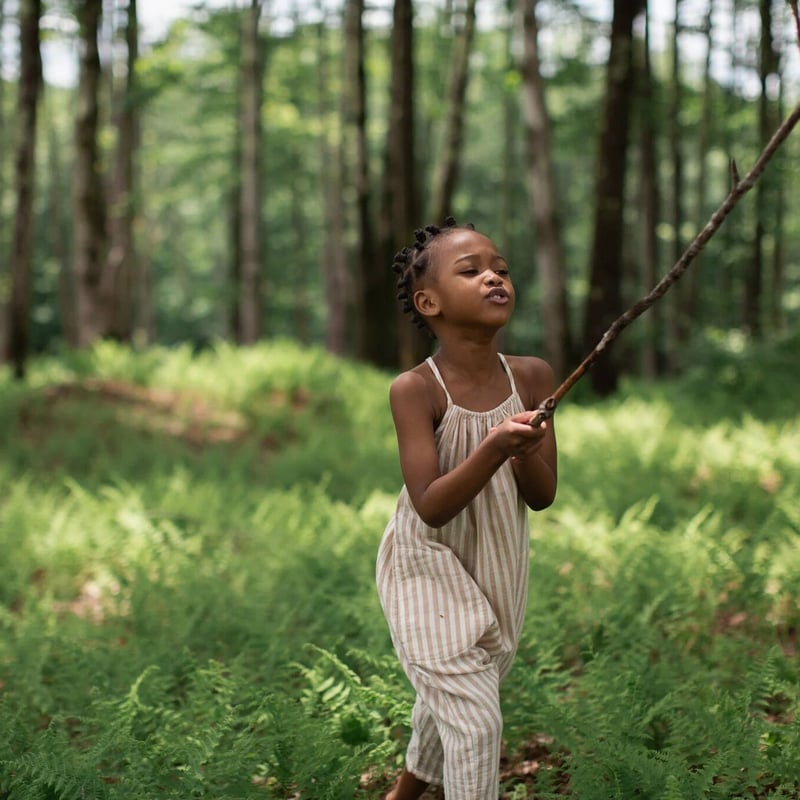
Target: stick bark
(739, 188)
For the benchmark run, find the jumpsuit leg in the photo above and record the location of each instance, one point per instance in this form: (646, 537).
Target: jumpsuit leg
(424, 757)
(463, 699)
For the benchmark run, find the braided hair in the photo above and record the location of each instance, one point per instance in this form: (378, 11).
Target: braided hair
(411, 264)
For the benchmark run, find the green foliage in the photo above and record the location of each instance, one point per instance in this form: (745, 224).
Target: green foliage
(187, 605)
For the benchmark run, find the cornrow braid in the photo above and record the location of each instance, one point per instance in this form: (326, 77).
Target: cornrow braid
(411, 263)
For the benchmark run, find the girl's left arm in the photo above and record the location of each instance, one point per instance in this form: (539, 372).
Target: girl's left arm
(537, 474)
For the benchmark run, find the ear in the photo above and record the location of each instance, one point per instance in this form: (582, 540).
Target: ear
(426, 302)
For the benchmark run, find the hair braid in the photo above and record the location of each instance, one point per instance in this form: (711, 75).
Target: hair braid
(411, 263)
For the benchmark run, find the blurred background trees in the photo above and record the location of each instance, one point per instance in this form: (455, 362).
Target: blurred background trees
(248, 172)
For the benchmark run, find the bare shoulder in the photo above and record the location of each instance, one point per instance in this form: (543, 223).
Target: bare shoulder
(415, 391)
(534, 377)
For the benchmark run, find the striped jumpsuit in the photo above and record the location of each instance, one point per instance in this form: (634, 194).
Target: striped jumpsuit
(454, 598)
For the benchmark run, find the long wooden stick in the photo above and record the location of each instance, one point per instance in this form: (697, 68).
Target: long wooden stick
(738, 189)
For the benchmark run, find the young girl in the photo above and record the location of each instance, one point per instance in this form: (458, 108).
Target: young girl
(452, 569)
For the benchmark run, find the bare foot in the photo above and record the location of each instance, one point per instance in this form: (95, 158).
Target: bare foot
(408, 787)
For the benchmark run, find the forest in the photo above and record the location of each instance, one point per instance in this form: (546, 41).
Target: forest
(250, 173)
(199, 327)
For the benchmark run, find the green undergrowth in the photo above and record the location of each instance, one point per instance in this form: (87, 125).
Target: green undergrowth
(187, 605)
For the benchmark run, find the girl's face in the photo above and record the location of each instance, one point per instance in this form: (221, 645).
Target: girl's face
(469, 283)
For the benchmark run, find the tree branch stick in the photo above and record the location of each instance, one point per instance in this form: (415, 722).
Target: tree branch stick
(738, 189)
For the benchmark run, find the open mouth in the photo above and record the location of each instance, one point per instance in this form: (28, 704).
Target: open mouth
(498, 296)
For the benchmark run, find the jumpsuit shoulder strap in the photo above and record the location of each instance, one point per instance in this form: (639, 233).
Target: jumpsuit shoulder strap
(438, 375)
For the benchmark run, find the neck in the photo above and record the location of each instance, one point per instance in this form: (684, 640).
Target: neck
(473, 358)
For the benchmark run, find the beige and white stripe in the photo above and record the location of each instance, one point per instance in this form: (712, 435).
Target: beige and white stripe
(454, 598)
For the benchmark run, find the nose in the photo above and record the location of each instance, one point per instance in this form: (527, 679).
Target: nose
(492, 277)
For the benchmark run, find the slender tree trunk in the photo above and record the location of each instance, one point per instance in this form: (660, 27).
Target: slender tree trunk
(58, 235)
(399, 207)
(446, 174)
(250, 305)
(302, 306)
(123, 263)
(754, 277)
(354, 102)
(652, 354)
(89, 214)
(333, 264)
(510, 117)
(543, 194)
(604, 303)
(30, 82)
(3, 150)
(703, 143)
(777, 316)
(233, 285)
(681, 314)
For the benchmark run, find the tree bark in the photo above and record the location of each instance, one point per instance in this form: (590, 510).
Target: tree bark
(123, 266)
(754, 276)
(604, 302)
(543, 194)
(89, 214)
(652, 354)
(383, 341)
(333, 264)
(250, 305)
(58, 233)
(354, 110)
(447, 171)
(777, 315)
(30, 82)
(681, 315)
(703, 143)
(3, 150)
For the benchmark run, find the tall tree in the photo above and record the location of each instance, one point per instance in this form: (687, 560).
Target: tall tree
(354, 122)
(681, 313)
(3, 150)
(447, 169)
(333, 176)
(399, 205)
(604, 302)
(89, 202)
(251, 249)
(703, 143)
(543, 194)
(652, 353)
(58, 231)
(754, 275)
(123, 270)
(30, 82)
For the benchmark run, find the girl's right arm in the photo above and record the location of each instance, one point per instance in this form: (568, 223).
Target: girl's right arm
(439, 497)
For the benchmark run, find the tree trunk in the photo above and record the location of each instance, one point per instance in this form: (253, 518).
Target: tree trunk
(399, 208)
(3, 150)
(543, 194)
(123, 264)
(652, 354)
(703, 145)
(354, 104)
(777, 316)
(446, 174)
(681, 315)
(604, 303)
(754, 276)
(30, 82)
(333, 263)
(89, 215)
(58, 235)
(250, 305)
